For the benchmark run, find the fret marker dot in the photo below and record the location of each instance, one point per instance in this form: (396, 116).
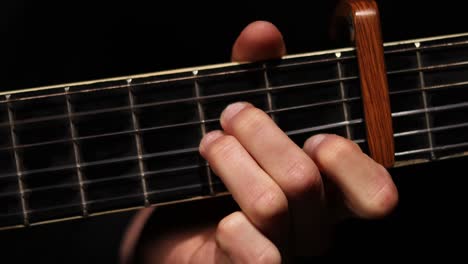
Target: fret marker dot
(195, 72)
(67, 89)
(338, 54)
(129, 81)
(417, 44)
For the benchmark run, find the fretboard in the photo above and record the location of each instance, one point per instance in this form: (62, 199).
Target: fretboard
(77, 150)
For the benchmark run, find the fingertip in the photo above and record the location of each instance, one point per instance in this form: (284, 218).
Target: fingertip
(208, 139)
(312, 142)
(260, 40)
(232, 110)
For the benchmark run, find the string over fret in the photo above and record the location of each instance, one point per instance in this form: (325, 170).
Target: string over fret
(201, 115)
(268, 93)
(76, 153)
(422, 85)
(136, 128)
(343, 95)
(18, 163)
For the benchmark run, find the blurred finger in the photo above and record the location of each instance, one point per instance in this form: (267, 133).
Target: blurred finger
(258, 41)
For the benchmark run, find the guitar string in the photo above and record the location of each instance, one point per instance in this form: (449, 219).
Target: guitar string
(187, 187)
(256, 67)
(175, 169)
(411, 47)
(194, 150)
(454, 44)
(133, 176)
(173, 101)
(275, 111)
(192, 186)
(440, 147)
(289, 133)
(230, 94)
(148, 129)
(333, 59)
(110, 199)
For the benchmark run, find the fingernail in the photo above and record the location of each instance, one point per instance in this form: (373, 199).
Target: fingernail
(314, 141)
(232, 110)
(210, 137)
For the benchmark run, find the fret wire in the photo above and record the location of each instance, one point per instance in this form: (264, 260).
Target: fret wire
(18, 163)
(201, 115)
(425, 101)
(293, 132)
(342, 95)
(138, 139)
(268, 91)
(76, 153)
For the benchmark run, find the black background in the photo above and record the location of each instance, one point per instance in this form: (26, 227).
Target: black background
(45, 43)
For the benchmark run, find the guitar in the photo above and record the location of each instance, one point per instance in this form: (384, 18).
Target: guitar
(83, 149)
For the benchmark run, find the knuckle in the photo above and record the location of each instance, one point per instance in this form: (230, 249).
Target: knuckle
(334, 149)
(303, 177)
(269, 204)
(230, 225)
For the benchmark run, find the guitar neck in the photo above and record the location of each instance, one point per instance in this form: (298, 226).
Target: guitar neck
(77, 150)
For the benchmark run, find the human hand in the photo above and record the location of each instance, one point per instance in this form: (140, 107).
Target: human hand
(289, 198)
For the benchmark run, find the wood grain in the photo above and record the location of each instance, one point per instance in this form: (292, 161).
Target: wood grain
(363, 15)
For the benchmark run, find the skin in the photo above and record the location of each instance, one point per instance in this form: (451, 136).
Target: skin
(287, 198)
